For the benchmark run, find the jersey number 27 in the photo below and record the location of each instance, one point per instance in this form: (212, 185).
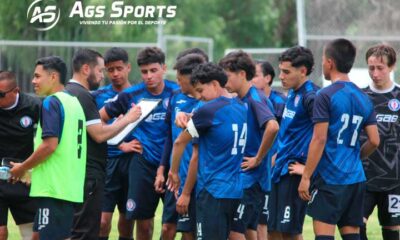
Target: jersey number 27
(355, 120)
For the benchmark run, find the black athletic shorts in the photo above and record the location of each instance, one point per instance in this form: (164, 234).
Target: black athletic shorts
(117, 183)
(142, 199)
(169, 215)
(388, 204)
(53, 218)
(341, 205)
(248, 210)
(214, 216)
(286, 209)
(15, 197)
(187, 222)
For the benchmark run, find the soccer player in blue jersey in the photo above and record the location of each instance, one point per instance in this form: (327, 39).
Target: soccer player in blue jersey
(341, 111)
(116, 186)
(183, 100)
(142, 198)
(261, 131)
(287, 210)
(221, 131)
(382, 167)
(263, 80)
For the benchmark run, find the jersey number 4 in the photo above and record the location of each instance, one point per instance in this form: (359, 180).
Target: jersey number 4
(356, 120)
(239, 141)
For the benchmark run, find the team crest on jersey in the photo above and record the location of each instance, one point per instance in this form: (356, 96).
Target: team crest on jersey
(296, 100)
(394, 105)
(165, 103)
(25, 121)
(130, 205)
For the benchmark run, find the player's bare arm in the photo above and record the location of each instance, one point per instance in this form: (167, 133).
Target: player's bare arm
(317, 145)
(45, 149)
(160, 179)
(372, 142)
(101, 133)
(180, 143)
(271, 129)
(182, 204)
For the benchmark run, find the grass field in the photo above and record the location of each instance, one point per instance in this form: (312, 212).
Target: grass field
(374, 231)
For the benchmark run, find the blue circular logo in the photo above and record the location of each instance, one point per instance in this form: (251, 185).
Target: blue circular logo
(130, 205)
(25, 121)
(394, 105)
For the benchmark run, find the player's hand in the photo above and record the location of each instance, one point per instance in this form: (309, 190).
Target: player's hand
(182, 119)
(26, 179)
(173, 182)
(17, 171)
(132, 146)
(182, 204)
(296, 168)
(250, 163)
(303, 189)
(159, 182)
(134, 113)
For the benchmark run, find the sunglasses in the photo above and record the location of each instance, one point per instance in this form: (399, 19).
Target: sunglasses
(3, 94)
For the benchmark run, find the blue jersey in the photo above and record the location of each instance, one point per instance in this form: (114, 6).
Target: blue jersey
(220, 126)
(258, 114)
(278, 100)
(151, 131)
(347, 110)
(179, 102)
(295, 130)
(102, 96)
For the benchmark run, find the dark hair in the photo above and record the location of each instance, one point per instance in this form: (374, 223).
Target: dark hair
(299, 56)
(150, 55)
(266, 69)
(207, 72)
(342, 52)
(239, 60)
(195, 50)
(187, 63)
(380, 51)
(84, 56)
(116, 54)
(54, 63)
(10, 76)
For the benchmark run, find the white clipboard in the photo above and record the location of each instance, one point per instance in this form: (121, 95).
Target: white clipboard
(147, 106)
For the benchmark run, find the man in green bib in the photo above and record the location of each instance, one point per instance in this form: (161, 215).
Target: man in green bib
(59, 159)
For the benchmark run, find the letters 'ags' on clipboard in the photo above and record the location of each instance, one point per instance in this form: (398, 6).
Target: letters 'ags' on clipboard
(147, 106)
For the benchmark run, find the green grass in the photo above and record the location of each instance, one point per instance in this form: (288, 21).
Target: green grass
(374, 230)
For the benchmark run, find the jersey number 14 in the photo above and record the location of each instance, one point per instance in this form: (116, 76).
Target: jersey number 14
(239, 141)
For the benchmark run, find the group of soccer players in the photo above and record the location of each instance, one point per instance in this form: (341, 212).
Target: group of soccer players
(229, 157)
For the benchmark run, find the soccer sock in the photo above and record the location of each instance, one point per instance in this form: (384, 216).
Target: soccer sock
(324, 237)
(389, 234)
(124, 238)
(363, 232)
(103, 238)
(353, 236)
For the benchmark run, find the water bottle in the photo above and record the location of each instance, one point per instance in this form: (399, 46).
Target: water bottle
(4, 173)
